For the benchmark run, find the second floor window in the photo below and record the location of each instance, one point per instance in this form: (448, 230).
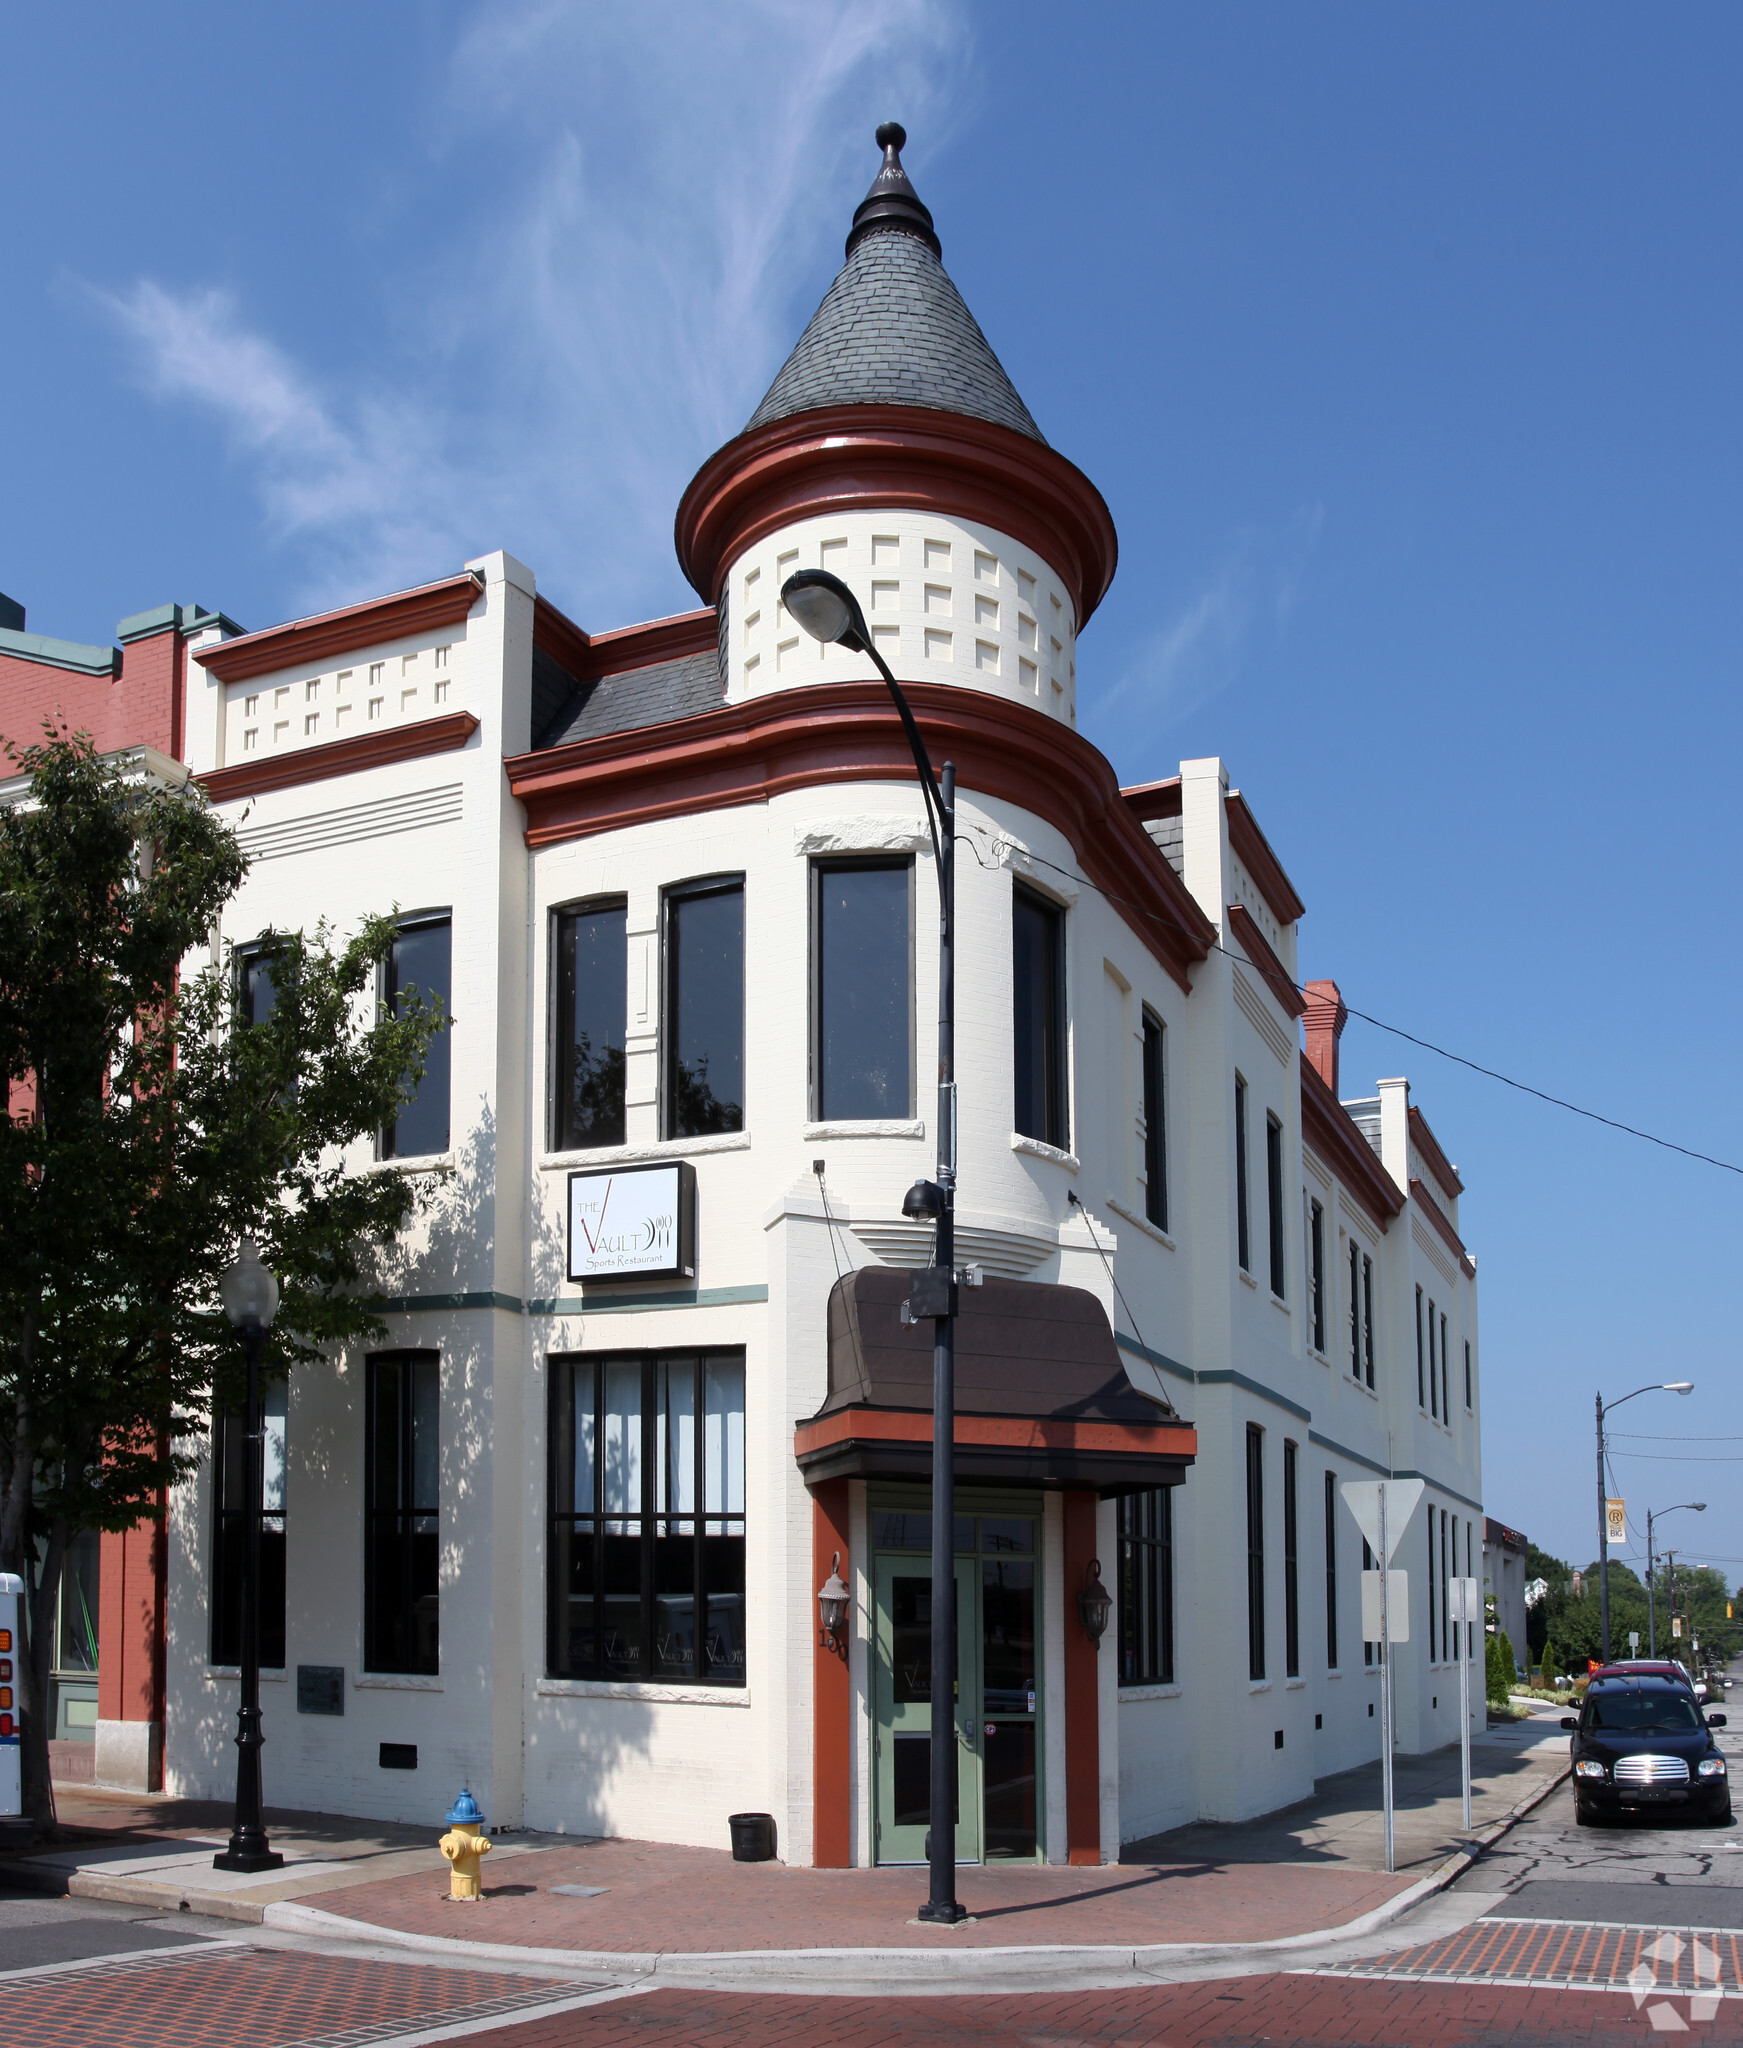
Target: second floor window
(1274, 1204)
(1038, 1022)
(703, 1014)
(1155, 1124)
(1433, 1385)
(1468, 1401)
(1368, 1317)
(588, 1026)
(1316, 1272)
(421, 962)
(1243, 1222)
(1421, 1381)
(1445, 1383)
(862, 998)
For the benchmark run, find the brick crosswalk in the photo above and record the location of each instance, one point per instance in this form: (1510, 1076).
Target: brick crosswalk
(1576, 1954)
(265, 1998)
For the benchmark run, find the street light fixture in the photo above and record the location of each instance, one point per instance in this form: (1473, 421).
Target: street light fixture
(250, 1297)
(827, 610)
(1656, 1387)
(1700, 1508)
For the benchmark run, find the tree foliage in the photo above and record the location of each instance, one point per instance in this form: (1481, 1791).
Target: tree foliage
(147, 1133)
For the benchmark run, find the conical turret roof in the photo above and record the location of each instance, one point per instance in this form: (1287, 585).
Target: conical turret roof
(892, 328)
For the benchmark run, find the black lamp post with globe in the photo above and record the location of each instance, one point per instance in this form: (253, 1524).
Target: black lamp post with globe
(250, 1297)
(827, 610)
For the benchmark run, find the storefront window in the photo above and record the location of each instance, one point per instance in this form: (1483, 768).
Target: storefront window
(229, 1531)
(646, 1565)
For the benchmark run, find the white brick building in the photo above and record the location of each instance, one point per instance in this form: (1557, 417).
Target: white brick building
(561, 1537)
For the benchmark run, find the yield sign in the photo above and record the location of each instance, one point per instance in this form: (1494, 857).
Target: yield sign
(1362, 1498)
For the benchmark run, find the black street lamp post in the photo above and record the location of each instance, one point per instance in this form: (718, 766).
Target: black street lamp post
(1652, 1515)
(1655, 1387)
(250, 1296)
(827, 610)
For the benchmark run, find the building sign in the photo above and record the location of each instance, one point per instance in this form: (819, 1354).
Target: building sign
(320, 1688)
(633, 1222)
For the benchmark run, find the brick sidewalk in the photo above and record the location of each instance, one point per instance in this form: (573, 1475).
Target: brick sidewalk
(1308, 2012)
(663, 1899)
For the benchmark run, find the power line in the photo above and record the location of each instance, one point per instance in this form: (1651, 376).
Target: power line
(1078, 880)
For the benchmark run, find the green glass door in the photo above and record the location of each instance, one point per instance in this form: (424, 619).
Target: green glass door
(997, 1720)
(903, 1759)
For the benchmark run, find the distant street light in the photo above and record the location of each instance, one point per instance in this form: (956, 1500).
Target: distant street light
(1700, 1508)
(250, 1297)
(1656, 1387)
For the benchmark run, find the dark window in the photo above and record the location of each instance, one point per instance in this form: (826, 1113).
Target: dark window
(1445, 1389)
(862, 953)
(1451, 1632)
(1331, 1571)
(1368, 1314)
(401, 1571)
(704, 1009)
(1316, 1272)
(645, 1572)
(1243, 1231)
(1355, 1310)
(1421, 1383)
(420, 963)
(1146, 1595)
(1468, 1401)
(255, 992)
(1155, 1124)
(229, 1530)
(1291, 1570)
(1367, 1566)
(1433, 1383)
(589, 1026)
(1274, 1203)
(1038, 1022)
(1255, 1552)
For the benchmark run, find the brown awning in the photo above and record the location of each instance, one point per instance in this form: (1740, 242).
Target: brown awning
(1041, 1395)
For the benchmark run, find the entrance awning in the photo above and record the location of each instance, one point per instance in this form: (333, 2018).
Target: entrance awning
(1041, 1396)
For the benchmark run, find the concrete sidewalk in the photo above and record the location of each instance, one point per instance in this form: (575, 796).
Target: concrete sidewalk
(1310, 1873)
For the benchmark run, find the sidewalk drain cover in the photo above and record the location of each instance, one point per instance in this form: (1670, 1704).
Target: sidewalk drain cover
(577, 1891)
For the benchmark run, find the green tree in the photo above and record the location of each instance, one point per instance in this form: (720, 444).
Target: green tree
(1499, 1669)
(147, 1133)
(1548, 1663)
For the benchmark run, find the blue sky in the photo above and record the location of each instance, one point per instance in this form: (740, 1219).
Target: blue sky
(1403, 342)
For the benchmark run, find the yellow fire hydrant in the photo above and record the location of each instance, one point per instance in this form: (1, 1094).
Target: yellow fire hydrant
(465, 1845)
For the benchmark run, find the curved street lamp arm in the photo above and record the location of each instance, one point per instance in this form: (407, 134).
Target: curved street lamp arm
(935, 821)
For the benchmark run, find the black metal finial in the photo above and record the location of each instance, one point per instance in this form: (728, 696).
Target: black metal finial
(892, 201)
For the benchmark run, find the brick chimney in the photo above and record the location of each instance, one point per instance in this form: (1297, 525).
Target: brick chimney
(1325, 1021)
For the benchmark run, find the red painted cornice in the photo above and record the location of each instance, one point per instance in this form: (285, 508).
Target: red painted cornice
(586, 655)
(1254, 851)
(1443, 1223)
(343, 632)
(340, 757)
(1004, 1432)
(748, 752)
(1330, 1129)
(1147, 800)
(1433, 1157)
(859, 458)
(1258, 950)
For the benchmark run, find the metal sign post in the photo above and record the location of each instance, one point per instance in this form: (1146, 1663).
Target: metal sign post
(1464, 1599)
(1386, 1682)
(1382, 1506)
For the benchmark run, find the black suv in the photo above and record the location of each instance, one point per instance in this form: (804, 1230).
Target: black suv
(1642, 1745)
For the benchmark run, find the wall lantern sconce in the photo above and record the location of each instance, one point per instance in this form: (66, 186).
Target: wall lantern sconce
(832, 1599)
(1094, 1603)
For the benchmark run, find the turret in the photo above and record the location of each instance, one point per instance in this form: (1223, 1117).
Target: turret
(894, 450)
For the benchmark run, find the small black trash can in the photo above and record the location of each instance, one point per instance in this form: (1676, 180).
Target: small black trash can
(753, 1837)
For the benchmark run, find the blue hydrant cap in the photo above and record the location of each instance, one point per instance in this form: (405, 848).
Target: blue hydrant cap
(466, 1809)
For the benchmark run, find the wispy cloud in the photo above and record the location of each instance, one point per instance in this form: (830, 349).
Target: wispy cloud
(653, 195)
(1203, 646)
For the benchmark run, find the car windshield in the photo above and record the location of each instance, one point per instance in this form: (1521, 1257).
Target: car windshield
(1633, 1713)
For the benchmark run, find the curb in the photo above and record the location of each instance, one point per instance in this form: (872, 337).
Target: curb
(845, 1969)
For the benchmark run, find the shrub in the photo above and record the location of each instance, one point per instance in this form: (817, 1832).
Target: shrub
(1498, 1670)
